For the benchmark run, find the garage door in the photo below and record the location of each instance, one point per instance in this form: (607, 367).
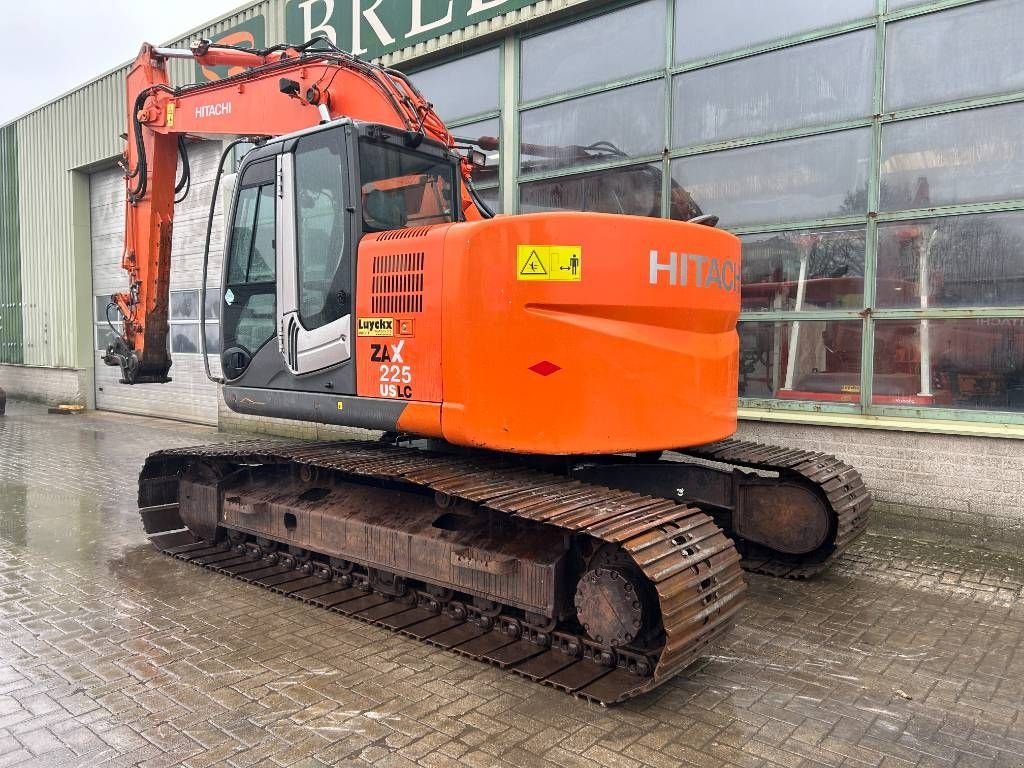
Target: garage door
(190, 396)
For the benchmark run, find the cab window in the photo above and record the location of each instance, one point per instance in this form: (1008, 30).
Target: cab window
(402, 188)
(250, 292)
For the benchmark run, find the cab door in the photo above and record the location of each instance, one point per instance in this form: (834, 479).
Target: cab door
(317, 241)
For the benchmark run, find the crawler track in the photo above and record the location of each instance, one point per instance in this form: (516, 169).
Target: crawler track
(691, 568)
(841, 486)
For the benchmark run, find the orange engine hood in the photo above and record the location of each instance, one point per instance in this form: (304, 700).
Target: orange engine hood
(631, 347)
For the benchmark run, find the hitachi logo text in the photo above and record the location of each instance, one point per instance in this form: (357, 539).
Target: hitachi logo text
(706, 271)
(214, 110)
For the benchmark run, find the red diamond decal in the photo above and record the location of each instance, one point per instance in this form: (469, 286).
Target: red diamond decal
(545, 368)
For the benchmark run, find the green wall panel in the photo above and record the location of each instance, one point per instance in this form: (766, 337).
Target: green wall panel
(11, 340)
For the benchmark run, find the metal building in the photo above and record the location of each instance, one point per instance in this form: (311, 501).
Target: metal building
(868, 152)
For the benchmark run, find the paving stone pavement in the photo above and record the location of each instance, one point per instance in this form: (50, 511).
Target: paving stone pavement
(908, 653)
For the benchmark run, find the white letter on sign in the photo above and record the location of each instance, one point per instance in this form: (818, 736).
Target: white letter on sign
(370, 14)
(323, 27)
(479, 6)
(417, 19)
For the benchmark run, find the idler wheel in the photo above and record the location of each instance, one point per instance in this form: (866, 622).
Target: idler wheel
(609, 607)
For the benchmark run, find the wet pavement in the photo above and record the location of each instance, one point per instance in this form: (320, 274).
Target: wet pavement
(908, 653)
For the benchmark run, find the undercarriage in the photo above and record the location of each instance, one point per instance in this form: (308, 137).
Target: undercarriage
(603, 578)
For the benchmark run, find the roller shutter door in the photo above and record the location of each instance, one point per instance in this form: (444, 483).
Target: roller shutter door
(190, 396)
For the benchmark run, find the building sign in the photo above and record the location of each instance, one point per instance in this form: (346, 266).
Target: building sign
(251, 33)
(372, 28)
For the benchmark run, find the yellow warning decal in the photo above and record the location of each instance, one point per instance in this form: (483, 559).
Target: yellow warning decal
(560, 263)
(170, 115)
(375, 326)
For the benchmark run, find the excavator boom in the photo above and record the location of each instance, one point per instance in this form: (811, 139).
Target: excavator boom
(280, 90)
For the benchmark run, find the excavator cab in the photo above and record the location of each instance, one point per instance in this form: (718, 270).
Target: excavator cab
(302, 203)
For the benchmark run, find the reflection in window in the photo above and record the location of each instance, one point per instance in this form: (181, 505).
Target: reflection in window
(185, 339)
(801, 360)
(461, 88)
(184, 305)
(626, 122)
(213, 338)
(247, 321)
(213, 300)
(488, 132)
(978, 46)
(812, 84)
(404, 189)
(577, 55)
(970, 363)
(633, 190)
(703, 30)
(964, 260)
(784, 181)
(961, 157)
(811, 269)
(491, 198)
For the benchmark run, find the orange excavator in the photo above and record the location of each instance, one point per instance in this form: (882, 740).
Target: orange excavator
(555, 492)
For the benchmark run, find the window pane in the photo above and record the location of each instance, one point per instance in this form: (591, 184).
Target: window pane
(783, 181)
(704, 30)
(262, 261)
(252, 237)
(324, 278)
(241, 234)
(802, 360)
(104, 337)
(962, 157)
(101, 304)
(975, 363)
(634, 190)
(488, 131)
(831, 262)
(967, 261)
(213, 338)
(213, 299)
(404, 189)
(460, 88)
(626, 122)
(184, 305)
(812, 84)
(579, 55)
(978, 45)
(185, 339)
(491, 198)
(248, 319)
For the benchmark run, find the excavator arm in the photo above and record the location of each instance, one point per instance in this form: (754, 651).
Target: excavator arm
(274, 91)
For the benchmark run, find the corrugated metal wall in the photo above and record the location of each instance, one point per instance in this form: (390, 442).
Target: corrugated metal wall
(10, 251)
(81, 129)
(76, 130)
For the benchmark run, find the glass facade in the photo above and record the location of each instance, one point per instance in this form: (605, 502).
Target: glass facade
(868, 152)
